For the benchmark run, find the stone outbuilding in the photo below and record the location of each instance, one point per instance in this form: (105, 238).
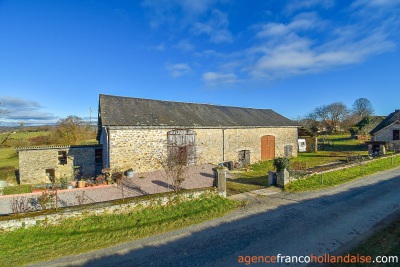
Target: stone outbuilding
(138, 133)
(38, 164)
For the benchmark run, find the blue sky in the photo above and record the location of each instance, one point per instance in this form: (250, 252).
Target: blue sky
(56, 57)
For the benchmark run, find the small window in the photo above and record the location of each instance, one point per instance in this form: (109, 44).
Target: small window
(244, 157)
(62, 157)
(289, 151)
(98, 156)
(396, 135)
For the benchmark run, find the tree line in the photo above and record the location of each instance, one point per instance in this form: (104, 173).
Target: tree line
(336, 116)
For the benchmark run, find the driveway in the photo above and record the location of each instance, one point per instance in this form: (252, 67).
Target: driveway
(274, 222)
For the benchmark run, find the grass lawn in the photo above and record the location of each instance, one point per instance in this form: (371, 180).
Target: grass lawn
(74, 236)
(333, 178)
(8, 157)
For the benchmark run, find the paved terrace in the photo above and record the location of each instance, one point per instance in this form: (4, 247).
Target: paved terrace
(200, 176)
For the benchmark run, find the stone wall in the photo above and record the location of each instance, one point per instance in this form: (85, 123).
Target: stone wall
(98, 209)
(33, 162)
(387, 133)
(139, 148)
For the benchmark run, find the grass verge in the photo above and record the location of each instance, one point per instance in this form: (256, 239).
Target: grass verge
(385, 242)
(42, 243)
(319, 181)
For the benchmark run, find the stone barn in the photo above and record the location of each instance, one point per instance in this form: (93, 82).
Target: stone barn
(135, 133)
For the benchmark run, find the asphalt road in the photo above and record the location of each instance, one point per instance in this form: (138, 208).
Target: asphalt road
(298, 224)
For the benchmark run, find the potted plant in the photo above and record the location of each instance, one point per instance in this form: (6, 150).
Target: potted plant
(81, 183)
(129, 173)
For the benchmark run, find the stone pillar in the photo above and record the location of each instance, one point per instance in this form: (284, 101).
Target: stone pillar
(382, 150)
(282, 178)
(222, 182)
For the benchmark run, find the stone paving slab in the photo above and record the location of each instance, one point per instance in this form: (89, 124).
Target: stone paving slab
(199, 176)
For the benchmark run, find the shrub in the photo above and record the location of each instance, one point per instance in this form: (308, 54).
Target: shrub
(281, 163)
(19, 189)
(39, 140)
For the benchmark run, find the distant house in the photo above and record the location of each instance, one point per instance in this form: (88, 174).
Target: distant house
(133, 131)
(388, 130)
(386, 135)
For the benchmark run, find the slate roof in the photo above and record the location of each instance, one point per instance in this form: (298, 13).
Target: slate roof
(390, 119)
(128, 111)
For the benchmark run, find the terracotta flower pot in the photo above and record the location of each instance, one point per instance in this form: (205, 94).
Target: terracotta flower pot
(81, 184)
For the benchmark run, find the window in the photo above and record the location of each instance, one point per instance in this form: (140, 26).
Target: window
(289, 151)
(98, 156)
(396, 135)
(62, 157)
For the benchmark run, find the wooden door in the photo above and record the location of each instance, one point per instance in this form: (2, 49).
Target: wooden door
(267, 147)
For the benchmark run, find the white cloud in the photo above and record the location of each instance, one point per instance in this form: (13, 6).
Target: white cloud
(218, 79)
(308, 4)
(176, 13)
(301, 22)
(22, 110)
(177, 70)
(185, 45)
(375, 3)
(216, 28)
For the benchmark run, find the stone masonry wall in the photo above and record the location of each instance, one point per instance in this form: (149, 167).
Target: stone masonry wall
(139, 148)
(34, 162)
(387, 134)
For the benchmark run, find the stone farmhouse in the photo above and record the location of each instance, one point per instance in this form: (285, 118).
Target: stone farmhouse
(388, 130)
(386, 135)
(136, 133)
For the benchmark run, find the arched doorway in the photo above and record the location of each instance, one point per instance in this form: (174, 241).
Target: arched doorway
(267, 147)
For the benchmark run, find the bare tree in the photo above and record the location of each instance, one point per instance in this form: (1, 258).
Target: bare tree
(328, 115)
(362, 107)
(337, 112)
(176, 164)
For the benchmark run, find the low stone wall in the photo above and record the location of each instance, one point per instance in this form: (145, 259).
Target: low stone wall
(291, 179)
(131, 205)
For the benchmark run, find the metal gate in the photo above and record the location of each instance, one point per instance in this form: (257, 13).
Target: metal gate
(267, 147)
(182, 146)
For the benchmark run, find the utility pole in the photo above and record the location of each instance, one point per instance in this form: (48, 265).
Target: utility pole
(90, 116)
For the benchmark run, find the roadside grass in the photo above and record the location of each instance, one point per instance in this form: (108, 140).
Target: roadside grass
(74, 236)
(329, 179)
(385, 242)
